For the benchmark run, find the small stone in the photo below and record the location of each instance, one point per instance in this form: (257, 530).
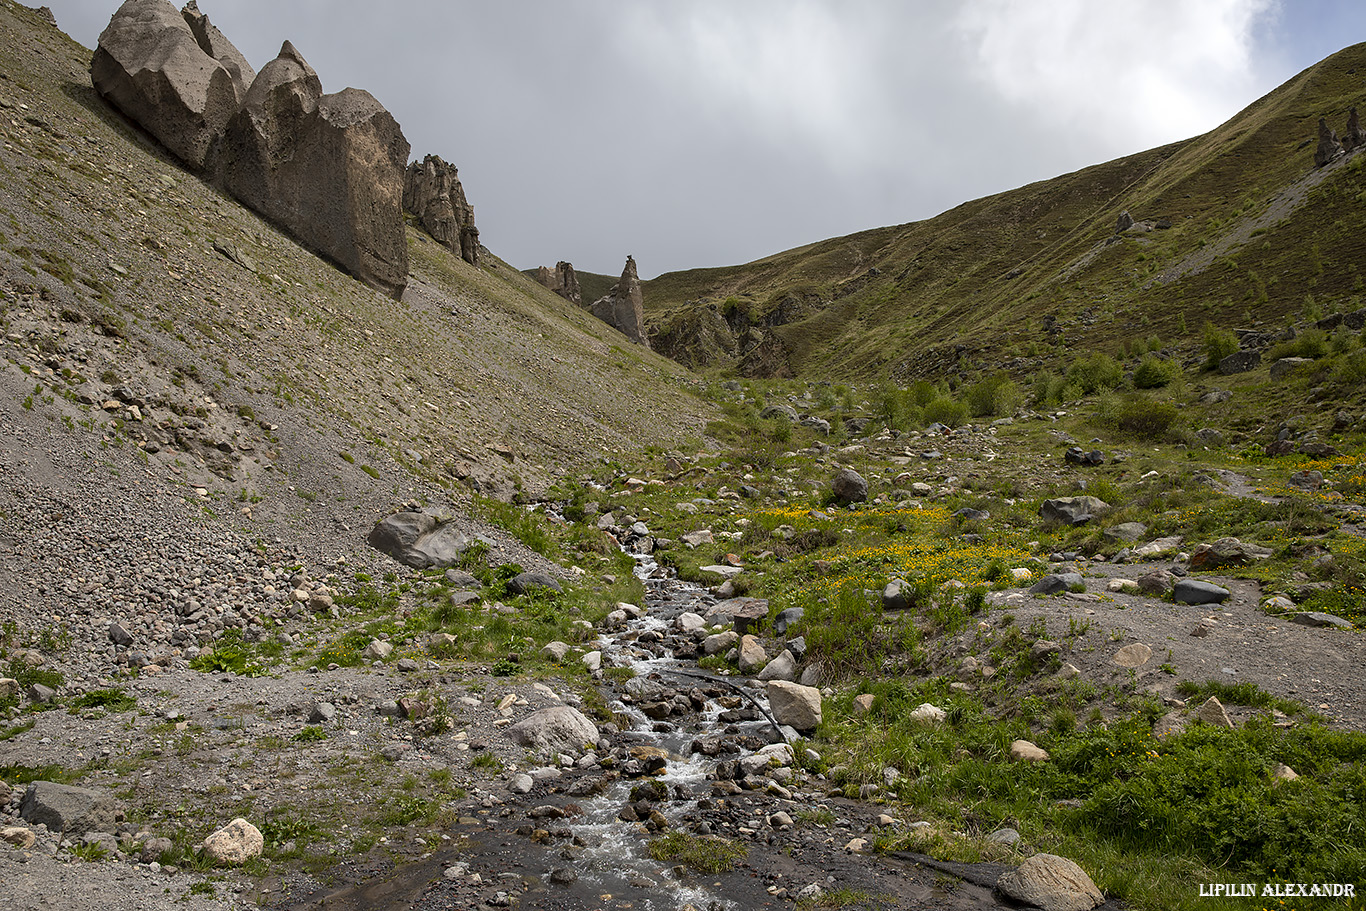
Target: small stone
(555, 651)
(322, 713)
(1134, 655)
(863, 703)
(1025, 751)
(19, 836)
(377, 650)
(1320, 619)
(1213, 713)
(1283, 772)
(1006, 836)
(928, 714)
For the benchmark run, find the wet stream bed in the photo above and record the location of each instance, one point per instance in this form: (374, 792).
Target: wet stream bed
(688, 763)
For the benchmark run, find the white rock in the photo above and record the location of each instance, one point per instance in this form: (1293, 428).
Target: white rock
(928, 714)
(235, 843)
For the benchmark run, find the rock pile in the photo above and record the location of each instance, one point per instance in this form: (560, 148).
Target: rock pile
(328, 169)
(562, 280)
(432, 192)
(623, 307)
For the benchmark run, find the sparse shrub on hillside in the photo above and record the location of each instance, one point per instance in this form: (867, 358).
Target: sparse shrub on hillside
(1219, 344)
(1094, 371)
(1141, 417)
(1154, 372)
(945, 410)
(1047, 389)
(1350, 370)
(1344, 340)
(897, 407)
(922, 392)
(1311, 343)
(994, 396)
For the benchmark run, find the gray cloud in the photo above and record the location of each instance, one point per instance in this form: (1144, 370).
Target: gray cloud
(709, 133)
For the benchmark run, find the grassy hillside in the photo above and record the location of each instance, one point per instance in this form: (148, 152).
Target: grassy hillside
(1245, 232)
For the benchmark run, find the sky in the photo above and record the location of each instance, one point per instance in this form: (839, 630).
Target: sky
(696, 133)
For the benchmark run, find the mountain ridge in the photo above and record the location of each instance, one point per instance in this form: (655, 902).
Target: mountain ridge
(879, 302)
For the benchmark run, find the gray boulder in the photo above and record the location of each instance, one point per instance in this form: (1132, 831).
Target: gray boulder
(1052, 883)
(849, 486)
(1195, 591)
(149, 65)
(326, 168)
(794, 705)
(525, 583)
(1328, 147)
(557, 729)
(1240, 362)
(1126, 531)
(1073, 510)
(1321, 619)
(71, 811)
(1227, 552)
(419, 539)
(1287, 365)
(1056, 584)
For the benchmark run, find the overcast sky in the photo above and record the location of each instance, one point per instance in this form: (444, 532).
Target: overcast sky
(713, 132)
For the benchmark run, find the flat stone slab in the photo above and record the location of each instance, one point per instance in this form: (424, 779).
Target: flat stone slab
(1318, 618)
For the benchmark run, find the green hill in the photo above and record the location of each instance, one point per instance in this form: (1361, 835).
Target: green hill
(1244, 231)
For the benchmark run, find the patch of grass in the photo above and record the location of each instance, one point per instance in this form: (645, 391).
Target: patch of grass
(113, 700)
(230, 654)
(1247, 694)
(705, 854)
(312, 733)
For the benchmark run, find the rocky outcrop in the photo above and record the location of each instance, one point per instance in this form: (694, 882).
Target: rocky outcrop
(328, 169)
(562, 280)
(1355, 136)
(214, 43)
(149, 65)
(623, 307)
(1051, 883)
(432, 193)
(1329, 147)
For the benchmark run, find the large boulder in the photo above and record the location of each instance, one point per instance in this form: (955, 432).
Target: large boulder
(557, 729)
(149, 65)
(1227, 552)
(1197, 591)
(1052, 883)
(623, 307)
(71, 811)
(1073, 510)
(326, 168)
(794, 705)
(420, 540)
(432, 192)
(849, 486)
(1328, 147)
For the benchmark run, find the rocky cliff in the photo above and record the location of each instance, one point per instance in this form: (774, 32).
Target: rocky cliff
(328, 169)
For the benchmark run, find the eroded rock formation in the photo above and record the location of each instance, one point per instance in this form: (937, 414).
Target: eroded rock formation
(432, 192)
(1355, 136)
(328, 169)
(623, 307)
(214, 43)
(1329, 147)
(149, 66)
(562, 280)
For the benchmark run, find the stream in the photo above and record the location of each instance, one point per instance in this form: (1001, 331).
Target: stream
(694, 754)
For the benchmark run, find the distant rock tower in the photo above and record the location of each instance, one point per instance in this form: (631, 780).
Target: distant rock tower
(623, 307)
(432, 192)
(1355, 137)
(1329, 147)
(562, 280)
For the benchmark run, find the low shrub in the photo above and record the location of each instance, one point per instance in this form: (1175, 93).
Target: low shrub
(1154, 372)
(1219, 344)
(947, 411)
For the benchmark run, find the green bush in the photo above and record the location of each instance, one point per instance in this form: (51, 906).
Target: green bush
(1154, 372)
(1094, 371)
(1219, 344)
(945, 410)
(1311, 343)
(995, 396)
(1141, 417)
